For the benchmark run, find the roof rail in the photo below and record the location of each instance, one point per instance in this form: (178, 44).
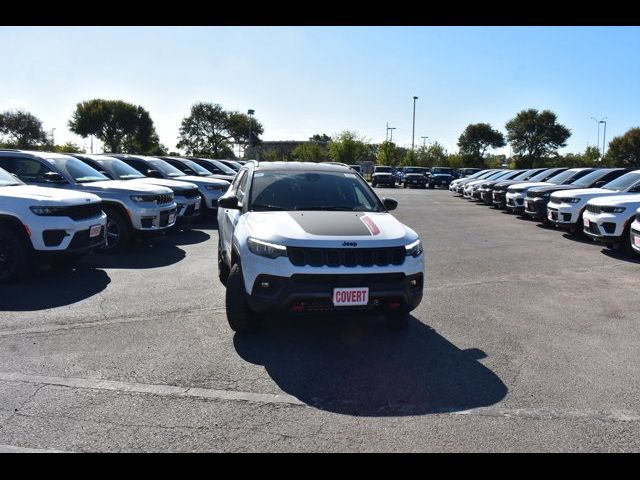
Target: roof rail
(253, 160)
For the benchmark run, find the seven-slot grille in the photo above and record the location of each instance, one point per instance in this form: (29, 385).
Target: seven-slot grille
(346, 257)
(594, 208)
(81, 212)
(190, 193)
(164, 199)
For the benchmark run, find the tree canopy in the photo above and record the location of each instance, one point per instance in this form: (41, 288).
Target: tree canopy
(348, 147)
(476, 139)
(121, 126)
(624, 151)
(534, 135)
(22, 129)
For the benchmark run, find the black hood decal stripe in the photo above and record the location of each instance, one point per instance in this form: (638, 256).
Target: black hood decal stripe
(331, 223)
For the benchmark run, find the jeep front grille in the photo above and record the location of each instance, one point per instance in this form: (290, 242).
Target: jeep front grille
(346, 257)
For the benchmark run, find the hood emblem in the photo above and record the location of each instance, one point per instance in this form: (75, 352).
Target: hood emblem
(349, 244)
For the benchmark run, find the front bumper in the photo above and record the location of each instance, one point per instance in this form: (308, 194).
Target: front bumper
(415, 182)
(562, 215)
(536, 207)
(486, 195)
(310, 293)
(515, 201)
(62, 235)
(383, 180)
(187, 208)
(151, 219)
(604, 227)
(499, 198)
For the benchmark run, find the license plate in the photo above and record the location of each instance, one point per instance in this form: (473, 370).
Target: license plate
(94, 231)
(343, 297)
(636, 240)
(586, 222)
(172, 217)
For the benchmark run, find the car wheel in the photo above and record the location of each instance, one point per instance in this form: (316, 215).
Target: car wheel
(118, 233)
(223, 268)
(239, 315)
(15, 260)
(396, 321)
(373, 184)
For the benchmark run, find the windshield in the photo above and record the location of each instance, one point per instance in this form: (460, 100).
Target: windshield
(511, 175)
(524, 175)
(121, 170)
(233, 165)
(622, 183)
(165, 168)
(477, 174)
(7, 179)
(590, 178)
(78, 170)
(200, 170)
(414, 170)
(496, 175)
(543, 175)
(441, 170)
(382, 169)
(286, 190)
(226, 170)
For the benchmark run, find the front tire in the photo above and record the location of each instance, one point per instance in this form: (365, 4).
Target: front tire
(239, 315)
(118, 232)
(223, 268)
(15, 259)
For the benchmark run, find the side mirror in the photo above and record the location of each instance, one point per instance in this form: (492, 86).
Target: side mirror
(599, 184)
(390, 203)
(54, 177)
(230, 202)
(153, 173)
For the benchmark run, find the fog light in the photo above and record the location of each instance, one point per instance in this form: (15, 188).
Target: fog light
(413, 282)
(265, 284)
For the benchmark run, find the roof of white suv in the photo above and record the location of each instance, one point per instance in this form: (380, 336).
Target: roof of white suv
(310, 166)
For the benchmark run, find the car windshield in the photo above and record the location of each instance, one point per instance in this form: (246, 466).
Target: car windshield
(6, 179)
(622, 183)
(477, 174)
(78, 170)
(166, 168)
(523, 175)
(543, 175)
(121, 170)
(565, 177)
(200, 170)
(414, 170)
(511, 175)
(382, 169)
(496, 175)
(441, 170)
(590, 178)
(233, 165)
(310, 190)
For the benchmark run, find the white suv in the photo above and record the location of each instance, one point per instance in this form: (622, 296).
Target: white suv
(608, 219)
(635, 233)
(38, 221)
(314, 238)
(565, 208)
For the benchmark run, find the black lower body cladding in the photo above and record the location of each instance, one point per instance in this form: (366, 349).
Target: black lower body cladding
(536, 208)
(311, 293)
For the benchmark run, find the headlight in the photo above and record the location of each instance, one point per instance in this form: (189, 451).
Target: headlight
(46, 211)
(143, 198)
(568, 200)
(214, 188)
(546, 195)
(414, 249)
(613, 209)
(266, 249)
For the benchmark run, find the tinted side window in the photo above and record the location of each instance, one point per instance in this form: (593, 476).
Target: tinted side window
(242, 187)
(137, 164)
(27, 169)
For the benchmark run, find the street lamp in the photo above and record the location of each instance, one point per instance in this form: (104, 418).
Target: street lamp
(250, 112)
(604, 120)
(424, 141)
(391, 129)
(413, 131)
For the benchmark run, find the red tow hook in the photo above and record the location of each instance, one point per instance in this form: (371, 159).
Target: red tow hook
(297, 307)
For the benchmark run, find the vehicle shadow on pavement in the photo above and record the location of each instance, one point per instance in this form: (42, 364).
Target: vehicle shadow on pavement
(208, 223)
(620, 255)
(53, 288)
(355, 367)
(139, 256)
(187, 237)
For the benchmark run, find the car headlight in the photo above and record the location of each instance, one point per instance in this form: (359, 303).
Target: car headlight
(613, 209)
(46, 211)
(414, 249)
(143, 198)
(546, 195)
(568, 200)
(266, 249)
(214, 188)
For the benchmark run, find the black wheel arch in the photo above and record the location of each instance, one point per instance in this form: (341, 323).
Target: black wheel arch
(17, 226)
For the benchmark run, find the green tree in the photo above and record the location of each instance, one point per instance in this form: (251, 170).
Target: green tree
(624, 150)
(320, 138)
(476, 139)
(348, 147)
(455, 160)
(121, 126)
(204, 131)
(309, 152)
(535, 135)
(386, 153)
(68, 147)
(494, 161)
(23, 130)
(238, 129)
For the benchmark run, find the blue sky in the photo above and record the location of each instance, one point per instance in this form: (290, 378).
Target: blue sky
(306, 80)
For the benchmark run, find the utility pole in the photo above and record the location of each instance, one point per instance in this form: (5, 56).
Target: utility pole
(386, 133)
(604, 135)
(413, 131)
(391, 129)
(424, 141)
(250, 112)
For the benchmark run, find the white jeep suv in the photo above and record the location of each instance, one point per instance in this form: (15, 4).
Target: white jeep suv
(39, 221)
(608, 220)
(314, 238)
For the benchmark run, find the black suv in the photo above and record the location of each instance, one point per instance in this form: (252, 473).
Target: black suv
(440, 177)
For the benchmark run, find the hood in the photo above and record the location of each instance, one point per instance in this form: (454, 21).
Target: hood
(122, 186)
(202, 181)
(46, 195)
(527, 185)
(329, 229)
(174, 185)
(554, 188)
(630, 200)
(588, 193)
(383, 173)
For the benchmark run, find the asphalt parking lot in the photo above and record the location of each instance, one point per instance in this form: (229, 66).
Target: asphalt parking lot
(526, 341)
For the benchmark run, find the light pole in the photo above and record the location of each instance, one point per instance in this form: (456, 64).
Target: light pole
(604, 134)
(424, 141)
(604, 120)
(53, 131)
(413, 131)
(391, 129)
(250, 112)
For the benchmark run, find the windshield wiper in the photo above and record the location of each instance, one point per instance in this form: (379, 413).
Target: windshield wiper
(266, 206)
(333, 208)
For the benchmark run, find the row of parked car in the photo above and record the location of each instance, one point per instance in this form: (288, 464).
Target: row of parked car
(64, 206)
(601, 203)
(418, 177)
